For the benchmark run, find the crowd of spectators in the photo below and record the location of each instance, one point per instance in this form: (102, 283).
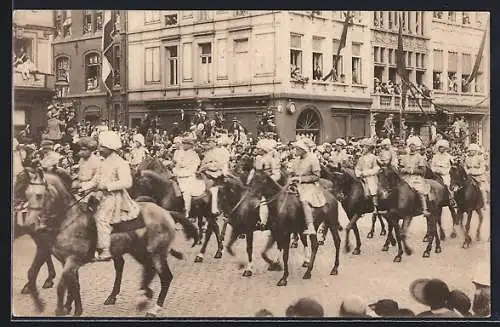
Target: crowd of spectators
(435, 294)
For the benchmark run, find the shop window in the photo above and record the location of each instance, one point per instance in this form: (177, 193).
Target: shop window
(92, 71)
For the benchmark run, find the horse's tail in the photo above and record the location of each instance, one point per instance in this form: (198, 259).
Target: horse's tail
(176, 254)
(189, 228)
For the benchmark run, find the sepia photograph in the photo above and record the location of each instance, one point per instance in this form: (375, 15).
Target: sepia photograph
(250, 163)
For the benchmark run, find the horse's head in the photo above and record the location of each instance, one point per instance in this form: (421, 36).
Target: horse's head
(263, 184)
(152, 184)
(47, 195)
(458, 176)
(230, 193)
(388, 180)
(341, 180)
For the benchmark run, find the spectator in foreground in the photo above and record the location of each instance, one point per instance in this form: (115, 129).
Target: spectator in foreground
(385, 308)
(264, 313)
(405, 313)
(353, 306)
(435, 294)
(459, 301)
(305, 307)
(481, 305)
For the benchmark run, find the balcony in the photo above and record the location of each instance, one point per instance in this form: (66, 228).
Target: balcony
(477, 100)
(36, 81)
(387, 102)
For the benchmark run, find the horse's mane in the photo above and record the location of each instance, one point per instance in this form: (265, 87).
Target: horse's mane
(60, 182)
(64, 176)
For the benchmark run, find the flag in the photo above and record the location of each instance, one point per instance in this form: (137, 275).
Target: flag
(343, 38)
(479, 57)
(108, 32)
(401, 65)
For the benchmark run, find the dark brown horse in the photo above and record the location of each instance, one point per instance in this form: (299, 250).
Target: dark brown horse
(72, 237)
(286, 216)
(350, 192)
(164, 193)
(402, 203)
(469, 199)
(41, 255)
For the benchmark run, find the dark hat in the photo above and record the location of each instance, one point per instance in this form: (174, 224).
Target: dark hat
(430, 292)
(459, 301)
(264, 313)
(87, 142)
(405, 313)
(305, 307)
(385, 308)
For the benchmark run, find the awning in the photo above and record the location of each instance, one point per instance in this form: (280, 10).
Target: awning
(18, 117)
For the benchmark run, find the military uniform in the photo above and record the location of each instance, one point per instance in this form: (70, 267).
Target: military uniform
(386, 156)
(367, 169)
(215, 164)
(475, 166)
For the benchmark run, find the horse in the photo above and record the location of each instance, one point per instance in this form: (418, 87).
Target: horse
(350, 191)
(402, 202)
(286, 216)
(41, 255)
(469, 199)
(72, 239)
(163, 191)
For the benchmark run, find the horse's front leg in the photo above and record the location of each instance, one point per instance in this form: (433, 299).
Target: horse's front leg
(249, 269)
(432, 223)
(286, 253)
(479, 225)
(394, 221)
(307, 253)
(382, 225)
(314, 251)
(41, 256)
(200, 256)
(453, 213)
(357, 249)
(372, 230)
(200, 230)
(468, 238)
(232, 239)
(118, 263)
(49, 282)
(215, 229)
(274, 265)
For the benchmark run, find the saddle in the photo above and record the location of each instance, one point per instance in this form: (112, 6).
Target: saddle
(134, 224)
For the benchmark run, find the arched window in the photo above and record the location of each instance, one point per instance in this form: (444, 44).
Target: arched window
(62, 76)
(309, 125)
(92, 71)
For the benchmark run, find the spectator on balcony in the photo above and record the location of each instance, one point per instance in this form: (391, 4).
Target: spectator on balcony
(317, 73)
(465, 85)
(453, 83)
(390, 87)
(437, 81)
(355, 76)
(378, 85)
(296, 75)
(389, 127)
(397, 89)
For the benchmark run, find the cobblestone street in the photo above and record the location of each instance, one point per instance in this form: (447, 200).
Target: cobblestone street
(216, 287)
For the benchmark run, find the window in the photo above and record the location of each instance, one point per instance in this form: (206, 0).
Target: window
(465, 18)
(452, 16)
(205, 68)
(378, 19)
(62, 69)
(466, 71)
(92, 71)
(382, 55)
(151, 16)
(241, 12)
(62, 91)
(452, 71)
(172, 65)
(87, 22)
(116, 65)
(393, 72)
(99, 18)
(438, 14)
(422, 23)
(409, 61)
(391, 56)
(241, 59)
(437, 79)
(296, 53)
(356, 64)
(403, 21)
(317, 60)
(376, 54)
(391, 23)
(203, 15)
(417, 22)
(152, 61)
(171, 20)
(66, 26)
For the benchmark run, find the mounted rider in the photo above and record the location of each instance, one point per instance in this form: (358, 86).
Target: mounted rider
(266, 162)
(387, 155)
(413, 167)
(339, 156)
(113, 181)
(441, 164)
(88, 166)
(475, 166)
(306, 173)
(367, 169)
(186, 162)
(215, 164)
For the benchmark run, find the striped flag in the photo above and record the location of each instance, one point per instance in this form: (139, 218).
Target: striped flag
(401, 65)
(108, 32)
(479, 57)
(343, 38)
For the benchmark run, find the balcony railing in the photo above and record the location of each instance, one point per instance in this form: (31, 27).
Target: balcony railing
(38, 80)
(388, 102)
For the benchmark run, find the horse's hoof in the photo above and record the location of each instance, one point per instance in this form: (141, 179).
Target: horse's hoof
(370, 235)
(68, 308)
(478, 238)
(77, 313)
(334, 272)
(282, 282)
(110, 300)
(408, 251)
(218, 255)
(198, 259)
(347, 248)
(356, 251)
(48, 284)
(307, 275)
(466, 245)
(397, 258)
(426, 239)
(242, 236)
(393, 242)
(305, 264)
(275, 266)
(453, 235)
(27, 289)
(294, 245)
(142, 304)
(61, 312)
(199, 242)
(230, 251)
(383, 232)
(247, 273)
(340, 228)
(426, 254)
(442, 236)
(438, 250)
(321, 242)
(150, 315)
(385, 248)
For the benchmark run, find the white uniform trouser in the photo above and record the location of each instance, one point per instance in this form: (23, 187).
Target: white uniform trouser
(103, 218)
(215, 198)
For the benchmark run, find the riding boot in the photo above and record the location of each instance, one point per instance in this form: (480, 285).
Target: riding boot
(308, 215)
(263, 214)
(187, 203)
(453, 203)
(375, 204)
(423, 200)
(215, 199)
